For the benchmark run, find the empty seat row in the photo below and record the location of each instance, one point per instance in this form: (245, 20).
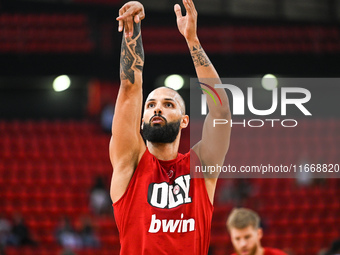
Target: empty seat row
(45, 33)
(248, 39)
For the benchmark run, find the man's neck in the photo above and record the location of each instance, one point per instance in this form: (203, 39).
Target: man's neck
(164, 151)
(260, 250)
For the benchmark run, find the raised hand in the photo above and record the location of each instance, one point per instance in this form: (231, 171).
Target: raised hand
(187, 25)
(131, 12)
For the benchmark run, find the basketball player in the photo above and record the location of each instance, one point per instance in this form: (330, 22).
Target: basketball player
(245, 232)
(159, 208)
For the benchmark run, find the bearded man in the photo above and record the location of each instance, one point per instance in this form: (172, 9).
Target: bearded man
(159, 207)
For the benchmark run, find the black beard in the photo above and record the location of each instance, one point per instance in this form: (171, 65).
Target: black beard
(161, 134)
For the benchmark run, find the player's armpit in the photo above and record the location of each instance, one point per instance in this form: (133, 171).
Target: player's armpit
(124, 162)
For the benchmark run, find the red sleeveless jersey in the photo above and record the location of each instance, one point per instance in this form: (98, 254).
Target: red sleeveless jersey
(270, 251)
(164, 210)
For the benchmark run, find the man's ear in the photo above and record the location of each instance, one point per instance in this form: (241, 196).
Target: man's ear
(185, 121)
(260, 233)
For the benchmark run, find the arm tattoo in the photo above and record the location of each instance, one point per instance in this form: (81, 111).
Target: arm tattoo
(132, 55)
(199, 57)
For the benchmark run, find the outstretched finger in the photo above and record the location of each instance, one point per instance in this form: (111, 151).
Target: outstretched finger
(191, 4)
(128, 26)
(120, 21)
(120, 25)
(189, 7)
(186, 5)
(178, 11)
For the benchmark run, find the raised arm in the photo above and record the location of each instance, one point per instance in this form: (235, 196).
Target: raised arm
(215, 140)
(126, 145)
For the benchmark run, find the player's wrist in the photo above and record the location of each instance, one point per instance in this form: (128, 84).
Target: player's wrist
(193, 42)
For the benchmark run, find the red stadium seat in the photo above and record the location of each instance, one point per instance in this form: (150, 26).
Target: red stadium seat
(47, 169)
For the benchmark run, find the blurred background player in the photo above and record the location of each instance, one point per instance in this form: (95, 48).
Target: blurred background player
(245, 233)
